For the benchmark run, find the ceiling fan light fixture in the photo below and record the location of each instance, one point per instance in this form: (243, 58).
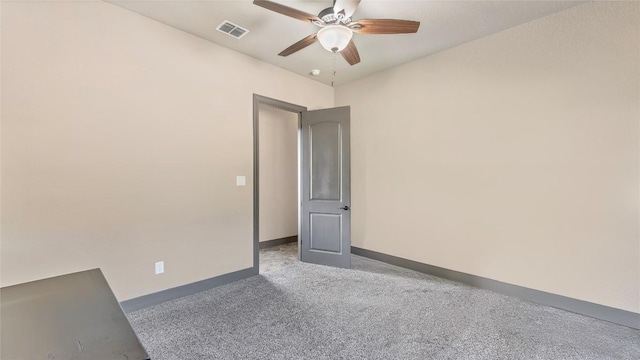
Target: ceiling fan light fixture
(334, 38)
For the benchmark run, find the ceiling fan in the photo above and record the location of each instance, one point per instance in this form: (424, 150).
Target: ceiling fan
(337, 27)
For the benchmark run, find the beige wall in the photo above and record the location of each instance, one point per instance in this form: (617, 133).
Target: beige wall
(278, 173)
(121, 142)
(514, 157)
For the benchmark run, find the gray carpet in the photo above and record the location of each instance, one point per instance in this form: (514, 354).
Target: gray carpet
(276, 257)
(376, 311)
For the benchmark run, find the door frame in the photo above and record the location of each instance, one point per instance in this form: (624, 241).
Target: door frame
(282, 105)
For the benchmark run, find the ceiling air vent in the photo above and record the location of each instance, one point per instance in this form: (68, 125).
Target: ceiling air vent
(232, 29)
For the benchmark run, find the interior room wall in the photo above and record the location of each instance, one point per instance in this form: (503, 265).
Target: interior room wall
(121, 142)
(278, 149)
(514, 157)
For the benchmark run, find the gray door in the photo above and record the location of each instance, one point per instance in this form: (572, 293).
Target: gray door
(325, 234)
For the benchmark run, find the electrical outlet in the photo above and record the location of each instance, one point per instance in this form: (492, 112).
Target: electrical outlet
(159, 267)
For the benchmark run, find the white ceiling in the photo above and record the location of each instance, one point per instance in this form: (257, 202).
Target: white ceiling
(444, 24)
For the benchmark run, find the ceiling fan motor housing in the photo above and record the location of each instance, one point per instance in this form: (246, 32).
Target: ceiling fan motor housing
(329, 17)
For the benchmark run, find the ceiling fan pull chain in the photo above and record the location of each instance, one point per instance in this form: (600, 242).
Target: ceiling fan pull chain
(333, 69)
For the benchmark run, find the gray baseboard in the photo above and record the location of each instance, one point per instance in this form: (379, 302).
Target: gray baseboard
(602, 312)
(185, 290)
(276, 242)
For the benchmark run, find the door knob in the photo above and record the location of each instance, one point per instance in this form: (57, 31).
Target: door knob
(345, 208)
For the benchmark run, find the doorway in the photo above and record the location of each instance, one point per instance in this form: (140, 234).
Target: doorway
(322, 184)
(276, 183)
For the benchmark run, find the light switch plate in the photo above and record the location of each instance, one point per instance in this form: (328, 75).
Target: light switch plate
(241, 181)
(159, 267)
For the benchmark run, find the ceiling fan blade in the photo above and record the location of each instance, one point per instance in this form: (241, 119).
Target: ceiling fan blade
(384, 26)
(285, 10)
(299, 45)
(349, 7)
(350, 53)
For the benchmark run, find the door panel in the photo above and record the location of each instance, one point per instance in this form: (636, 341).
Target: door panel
(325, 234)
(325, 174)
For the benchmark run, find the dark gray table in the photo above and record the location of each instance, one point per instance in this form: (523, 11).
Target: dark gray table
(69, 317)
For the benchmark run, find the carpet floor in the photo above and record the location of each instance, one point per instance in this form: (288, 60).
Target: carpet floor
(276, 257)
(373, 311)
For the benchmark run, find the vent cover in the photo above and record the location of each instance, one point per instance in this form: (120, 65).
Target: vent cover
(232, 29)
